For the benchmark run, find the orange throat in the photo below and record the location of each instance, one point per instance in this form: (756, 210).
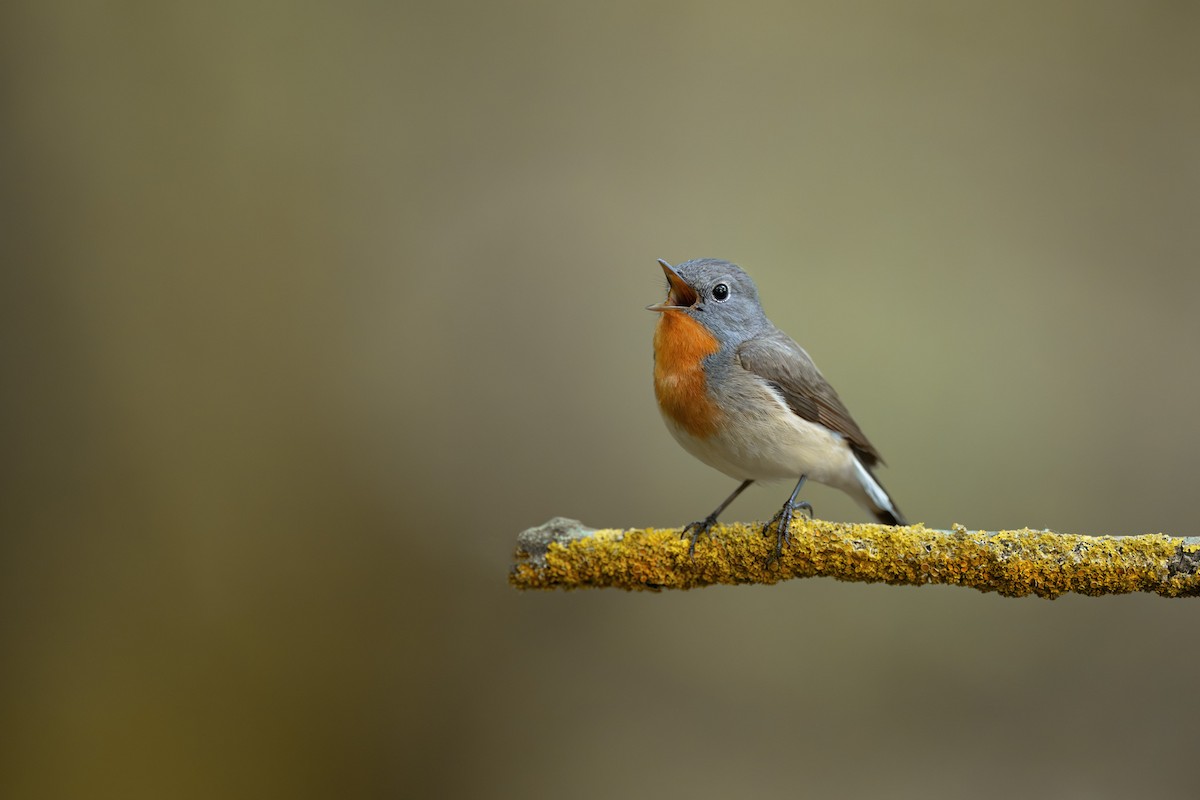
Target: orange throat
(680, 345)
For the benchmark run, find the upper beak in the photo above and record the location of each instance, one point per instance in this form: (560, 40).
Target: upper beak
(679, 294)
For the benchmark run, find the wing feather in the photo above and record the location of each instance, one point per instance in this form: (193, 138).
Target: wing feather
(780, 361)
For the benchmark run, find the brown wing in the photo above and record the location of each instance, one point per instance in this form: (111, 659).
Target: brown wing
(784, 364)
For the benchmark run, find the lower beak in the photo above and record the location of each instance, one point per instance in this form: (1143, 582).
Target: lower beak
(679, 294)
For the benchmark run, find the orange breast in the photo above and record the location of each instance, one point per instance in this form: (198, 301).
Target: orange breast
(679, 345)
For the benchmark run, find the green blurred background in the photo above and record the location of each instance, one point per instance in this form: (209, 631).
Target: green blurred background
(310, 308)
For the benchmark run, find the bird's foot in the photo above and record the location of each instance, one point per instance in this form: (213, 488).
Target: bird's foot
(694, 530)
(783, 526)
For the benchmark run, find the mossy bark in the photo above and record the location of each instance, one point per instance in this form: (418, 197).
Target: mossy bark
(565, 555)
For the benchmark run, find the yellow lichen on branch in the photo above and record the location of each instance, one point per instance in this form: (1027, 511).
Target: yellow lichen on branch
(562, 554)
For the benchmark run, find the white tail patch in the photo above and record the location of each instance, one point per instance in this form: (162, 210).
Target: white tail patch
(878, 496)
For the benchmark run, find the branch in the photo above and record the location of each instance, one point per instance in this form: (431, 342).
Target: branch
(563, 554)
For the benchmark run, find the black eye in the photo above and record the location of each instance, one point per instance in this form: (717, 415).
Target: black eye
(720, 292)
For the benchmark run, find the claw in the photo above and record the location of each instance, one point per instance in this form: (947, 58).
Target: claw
(783, 526)
(705, 525)
(783, 521)
(698, 528)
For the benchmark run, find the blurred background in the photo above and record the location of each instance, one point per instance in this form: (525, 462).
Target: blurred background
(308, 310)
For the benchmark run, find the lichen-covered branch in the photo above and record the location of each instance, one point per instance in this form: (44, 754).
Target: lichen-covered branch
(563, 554)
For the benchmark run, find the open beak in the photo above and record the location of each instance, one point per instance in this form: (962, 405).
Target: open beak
(679, 294)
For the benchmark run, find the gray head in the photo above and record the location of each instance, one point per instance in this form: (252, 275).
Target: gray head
(717, 294)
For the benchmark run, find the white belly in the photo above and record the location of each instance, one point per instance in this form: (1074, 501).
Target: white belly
(772, 446)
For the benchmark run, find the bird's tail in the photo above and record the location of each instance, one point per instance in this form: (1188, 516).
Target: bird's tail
(877, 498)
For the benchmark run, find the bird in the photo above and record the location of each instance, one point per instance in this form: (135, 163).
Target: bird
(743, 397)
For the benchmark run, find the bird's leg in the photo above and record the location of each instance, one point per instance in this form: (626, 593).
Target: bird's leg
(783, 520)
(703, 526)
